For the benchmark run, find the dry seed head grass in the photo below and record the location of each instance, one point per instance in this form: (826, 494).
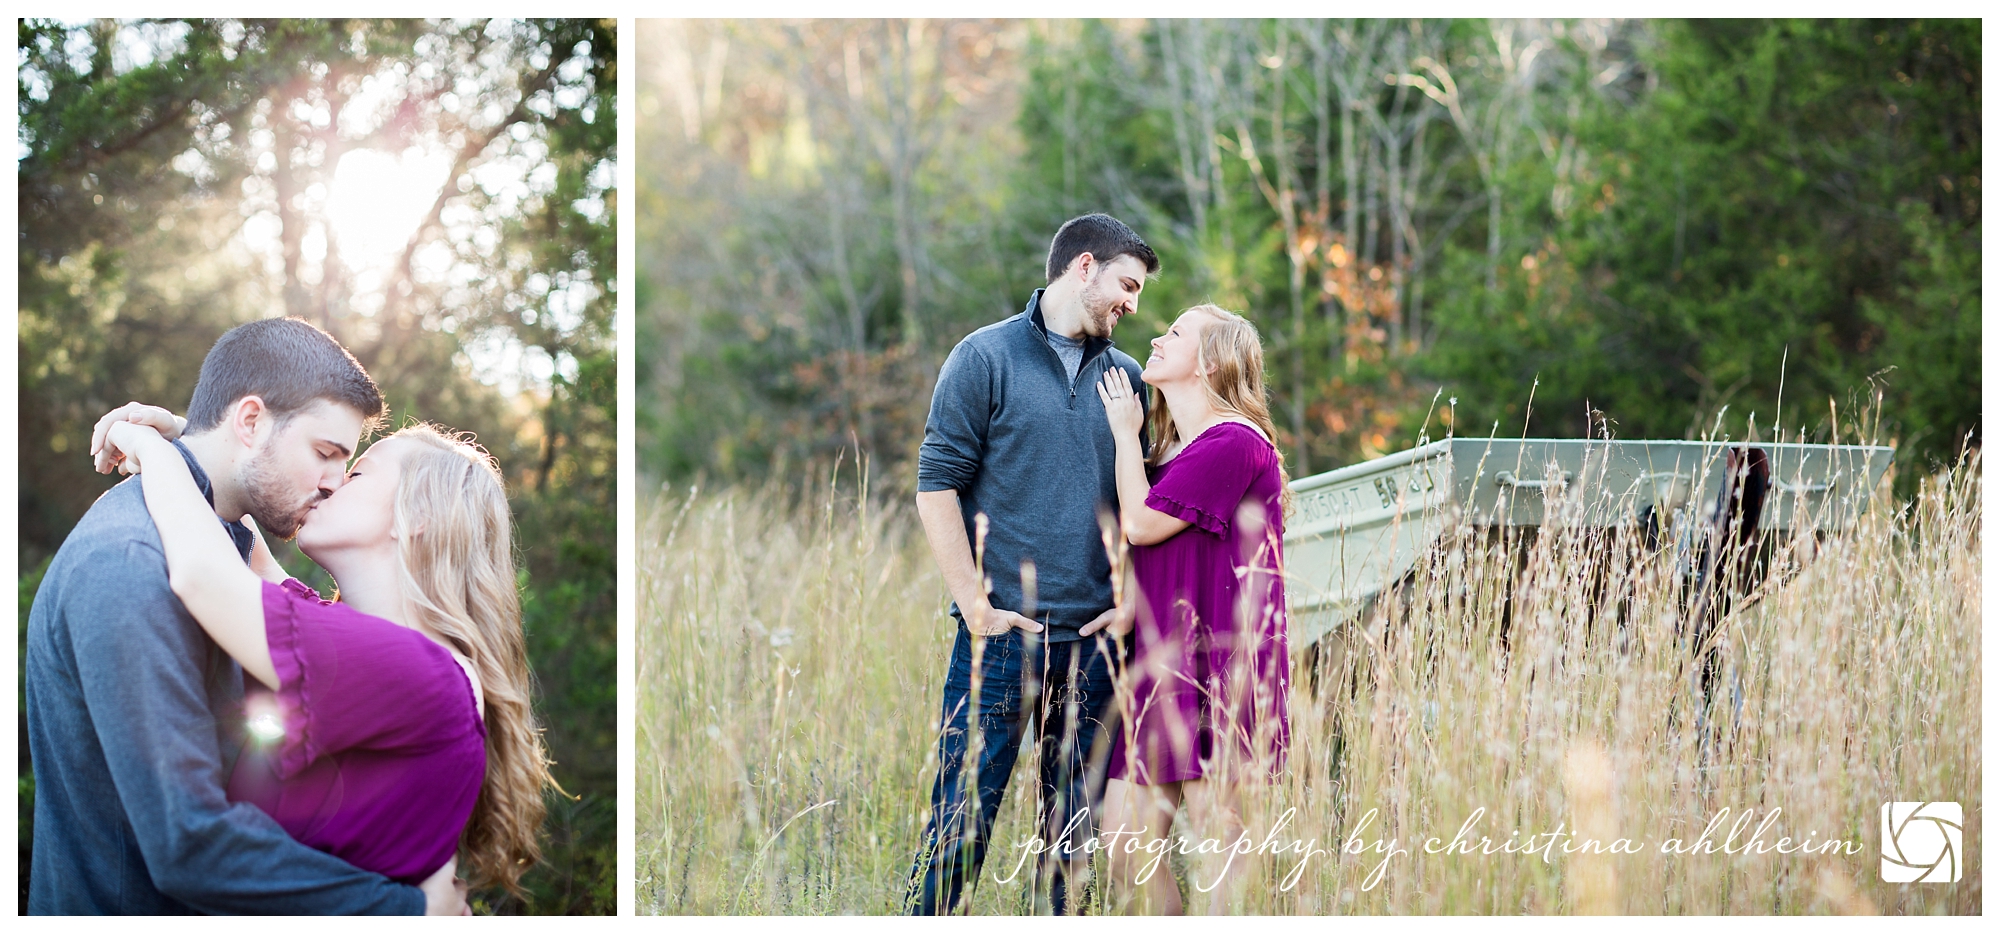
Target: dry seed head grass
(791, 650)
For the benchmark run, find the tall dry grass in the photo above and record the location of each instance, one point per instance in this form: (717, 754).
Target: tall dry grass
(791, 651)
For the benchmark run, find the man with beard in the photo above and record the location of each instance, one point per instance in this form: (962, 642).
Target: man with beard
(1016, 467)
(135, 716)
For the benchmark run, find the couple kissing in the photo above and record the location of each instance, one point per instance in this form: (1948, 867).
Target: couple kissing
(379, 745)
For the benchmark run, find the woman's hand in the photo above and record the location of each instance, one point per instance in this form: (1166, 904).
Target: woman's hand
(1122, 407)
(1124, 411)
(103, 455)
(125, 445)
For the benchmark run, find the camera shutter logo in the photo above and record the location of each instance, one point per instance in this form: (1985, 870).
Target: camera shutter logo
(1922, 841)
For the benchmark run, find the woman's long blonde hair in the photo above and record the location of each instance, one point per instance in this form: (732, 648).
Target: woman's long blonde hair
(456, 545)
(1231, 345)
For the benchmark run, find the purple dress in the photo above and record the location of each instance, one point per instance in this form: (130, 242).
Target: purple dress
(1210, 672)
(382, 753)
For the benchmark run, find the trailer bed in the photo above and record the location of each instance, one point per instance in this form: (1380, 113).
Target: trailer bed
(1358, 530)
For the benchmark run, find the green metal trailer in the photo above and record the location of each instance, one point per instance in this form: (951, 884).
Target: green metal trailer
(1355, 532)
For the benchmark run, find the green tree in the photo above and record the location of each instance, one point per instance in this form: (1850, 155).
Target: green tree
(1794, 203)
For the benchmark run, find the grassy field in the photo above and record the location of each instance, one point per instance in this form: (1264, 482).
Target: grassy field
(791, 649)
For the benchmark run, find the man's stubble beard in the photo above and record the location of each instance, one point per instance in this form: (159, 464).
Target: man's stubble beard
(263, 500)
(1098, 318)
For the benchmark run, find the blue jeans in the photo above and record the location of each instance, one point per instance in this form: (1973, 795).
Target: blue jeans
(1063, 692)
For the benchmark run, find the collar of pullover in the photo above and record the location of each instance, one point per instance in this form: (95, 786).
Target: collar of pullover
(1092, 344)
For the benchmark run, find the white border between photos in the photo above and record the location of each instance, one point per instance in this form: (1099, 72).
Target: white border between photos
(628, 471)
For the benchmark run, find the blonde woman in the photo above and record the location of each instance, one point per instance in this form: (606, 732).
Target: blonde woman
(392, 729)
(1205, 694)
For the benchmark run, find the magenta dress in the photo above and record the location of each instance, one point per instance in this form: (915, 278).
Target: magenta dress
(382, 753)
(1210, 672)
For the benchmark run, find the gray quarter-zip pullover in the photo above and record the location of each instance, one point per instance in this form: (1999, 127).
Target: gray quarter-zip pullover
(1026, 444)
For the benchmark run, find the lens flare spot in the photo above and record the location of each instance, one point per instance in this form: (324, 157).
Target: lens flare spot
(266, 728)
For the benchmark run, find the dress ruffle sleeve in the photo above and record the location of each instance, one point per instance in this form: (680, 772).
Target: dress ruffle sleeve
(1205, 484)
(348, 680)
(1186, 512)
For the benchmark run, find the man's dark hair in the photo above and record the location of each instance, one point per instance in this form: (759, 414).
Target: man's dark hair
(1104, 237)
(288, 363)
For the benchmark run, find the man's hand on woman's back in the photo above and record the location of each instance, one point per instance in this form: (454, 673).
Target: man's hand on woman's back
(444, 891)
